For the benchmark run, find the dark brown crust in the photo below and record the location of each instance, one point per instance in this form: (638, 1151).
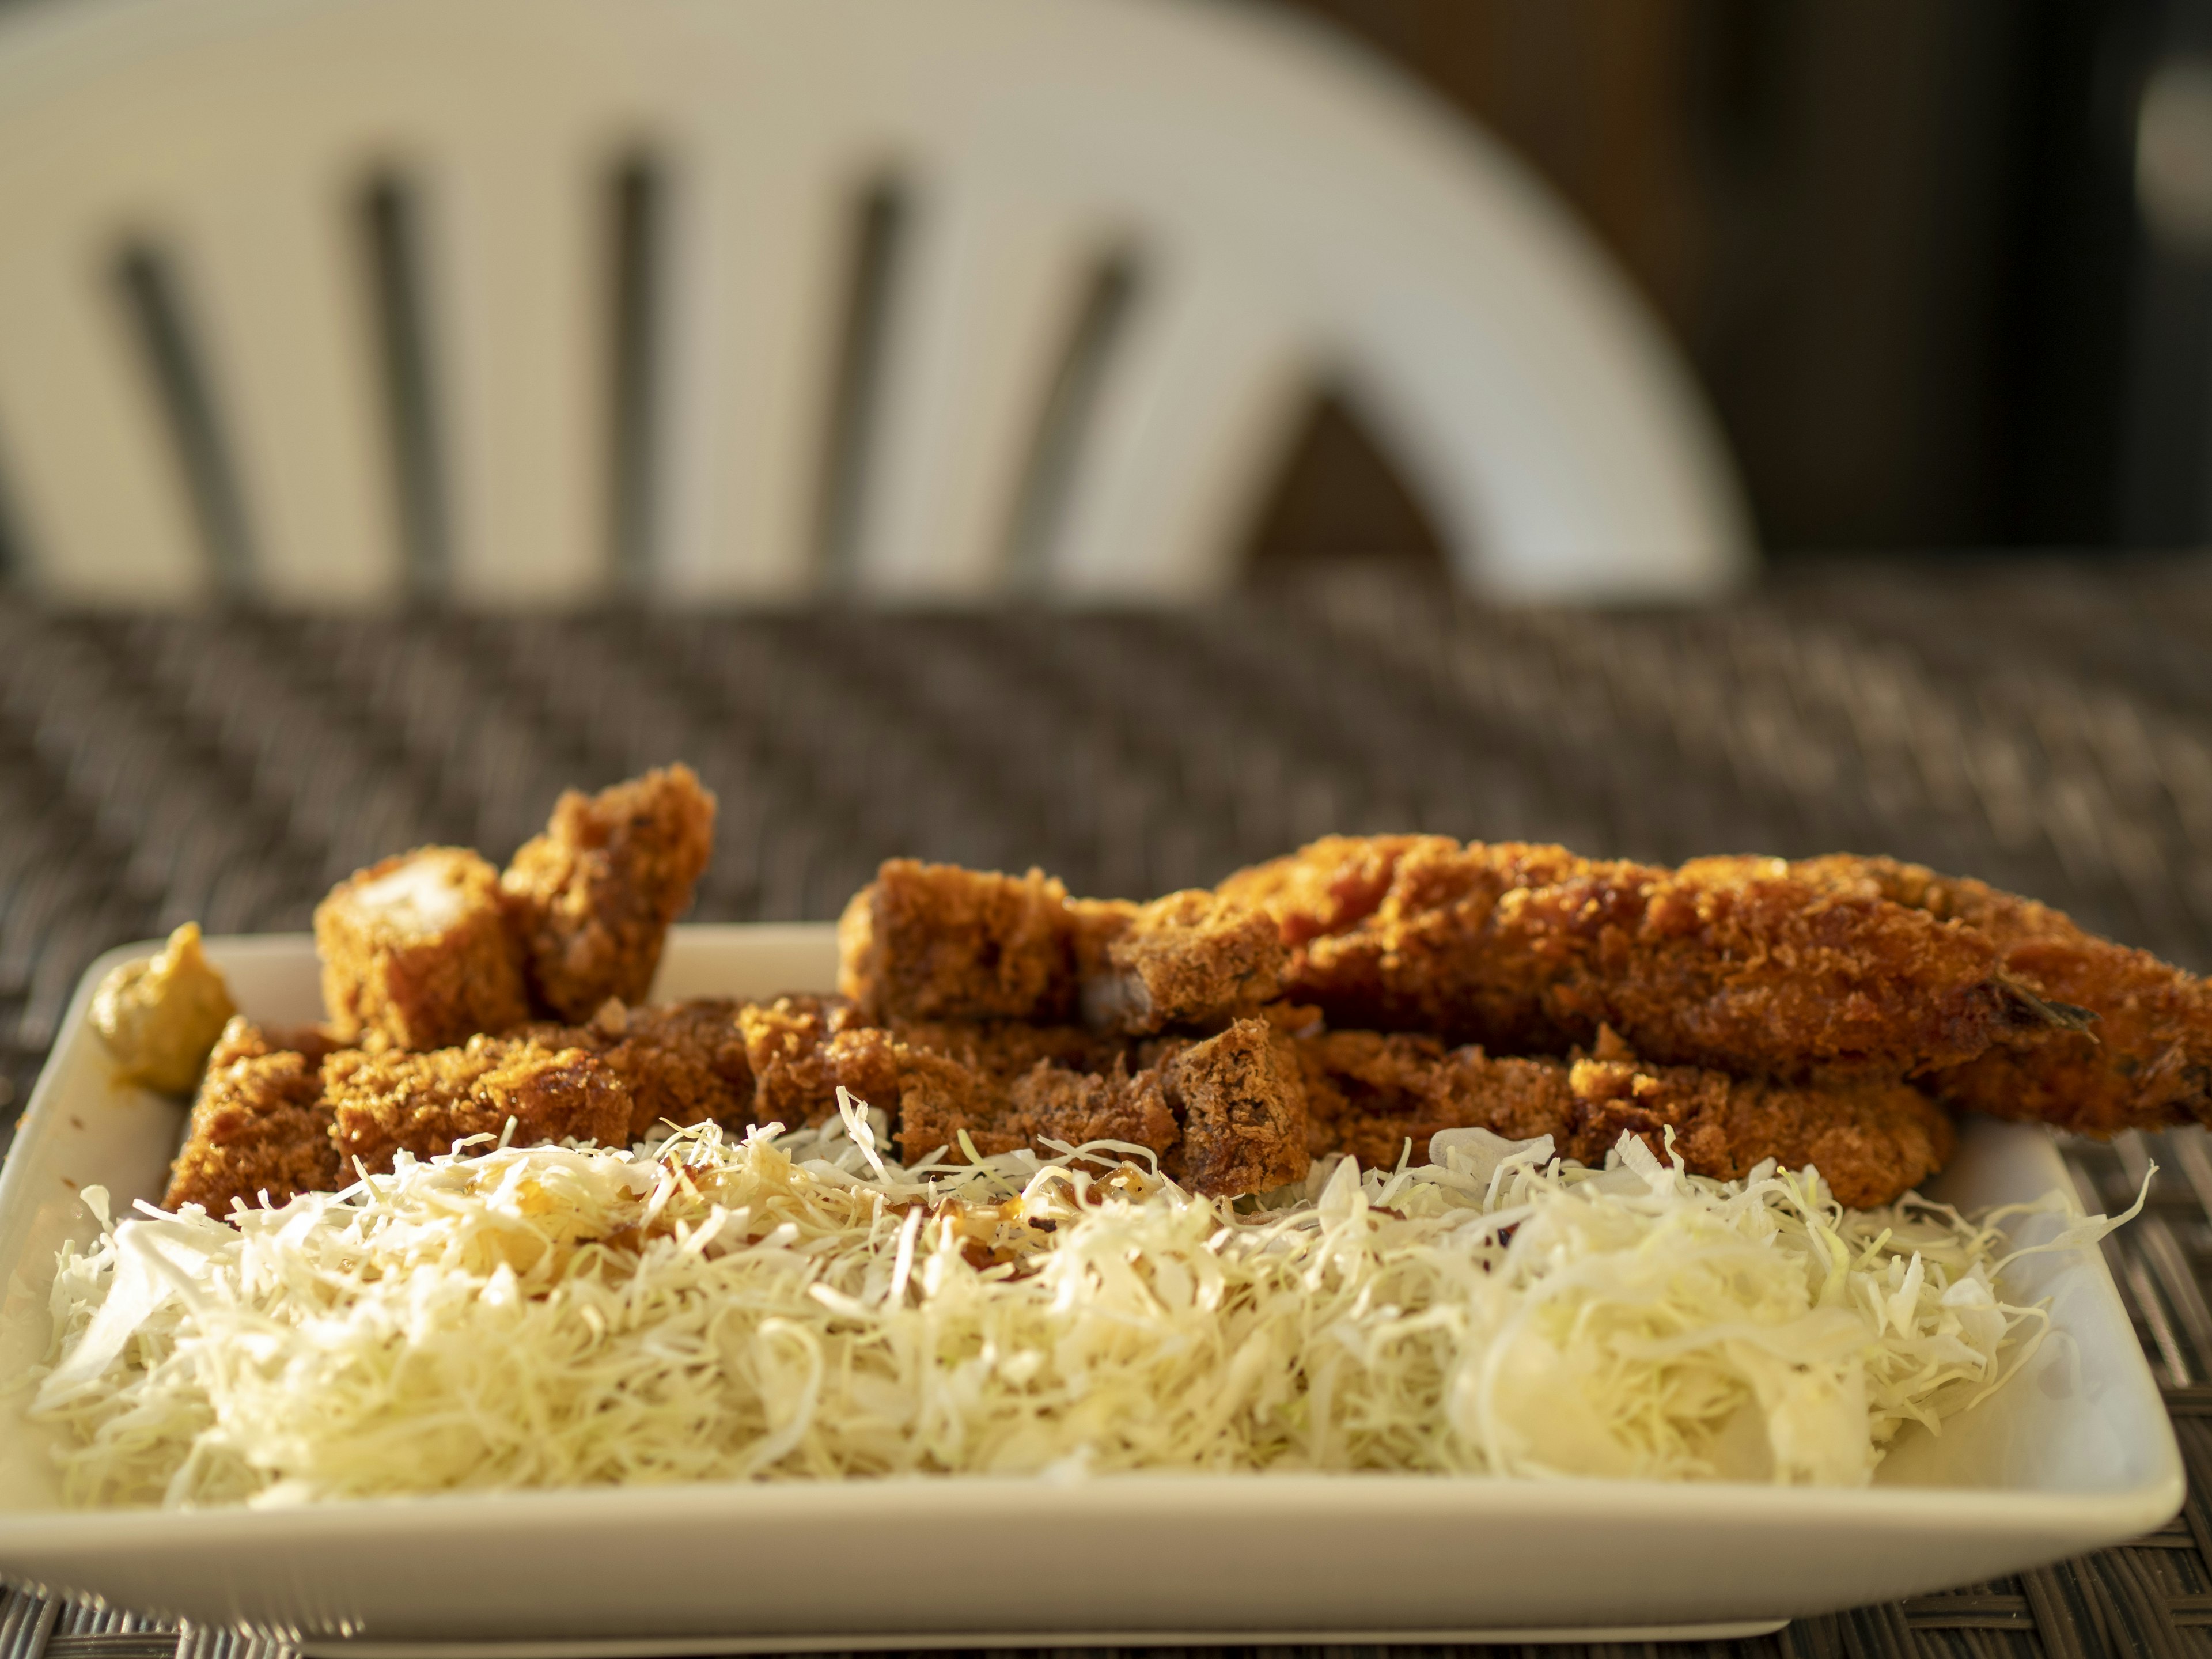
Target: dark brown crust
(802, 1049)
(933, 941)
(1189, 958)
(391, 975)
(2146, 1062)
(1733, 964)
(422, 1103)
(261, 1125)
(593, 897)
(1243, 1102)
(1370, 1093)
(682, 1062)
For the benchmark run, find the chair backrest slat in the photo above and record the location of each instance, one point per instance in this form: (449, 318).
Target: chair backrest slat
(94, 484)
(1193, 420)
(989, 298)
(275, 264)
(529, 300)
(516, 246)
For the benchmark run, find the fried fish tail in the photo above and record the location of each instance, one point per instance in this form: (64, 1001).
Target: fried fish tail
(2144, 1059)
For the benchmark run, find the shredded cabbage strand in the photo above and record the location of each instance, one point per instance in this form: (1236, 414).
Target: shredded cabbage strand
(799, 1305)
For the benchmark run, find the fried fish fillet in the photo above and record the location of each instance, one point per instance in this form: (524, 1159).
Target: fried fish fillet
(2144, 1062)
(682, 1062)
(936, 942)
(1370, 1093)
(1741, 966)
(260, 1124)
(422, 1103)
(591, 899)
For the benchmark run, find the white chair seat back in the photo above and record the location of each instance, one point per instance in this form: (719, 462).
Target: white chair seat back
(524, 299)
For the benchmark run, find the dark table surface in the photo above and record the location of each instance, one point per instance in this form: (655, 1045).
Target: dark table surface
(2047, 725)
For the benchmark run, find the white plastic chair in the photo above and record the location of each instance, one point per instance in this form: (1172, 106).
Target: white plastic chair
(315, 298)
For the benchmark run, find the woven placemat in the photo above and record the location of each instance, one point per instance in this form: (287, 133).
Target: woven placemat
(2047, 725)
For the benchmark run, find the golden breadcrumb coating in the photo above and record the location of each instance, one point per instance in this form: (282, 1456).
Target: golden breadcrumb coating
(424, 1103)
(2145, 1062)
(259, 1126)
(802, 1049)
(939, 1099)
(1735, 964)
(682, 1062)
(593, 897)
(1188, 958)
(417, 953)
(1241, 1098)
(936, 942)
(1370, 1093)
(933, 941)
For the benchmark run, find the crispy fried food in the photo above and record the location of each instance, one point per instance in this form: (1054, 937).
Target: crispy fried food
(802, 1049)
(933, 941)
(682, 1062)
(939, 1097)
(417, 953)
(422, 1103)
(261, 1125)
(1242, 1098)
(1227, 1113)
(1739, 965)
(1007, 1049)
(593, 897)
(936, 942)
(2146, 1062)
(1188, 958)
(1369, 1093)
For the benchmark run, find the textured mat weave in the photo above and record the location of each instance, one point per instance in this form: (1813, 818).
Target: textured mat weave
(2048, 728)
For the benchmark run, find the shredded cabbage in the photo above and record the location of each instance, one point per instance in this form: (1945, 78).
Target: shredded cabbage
(798, 1305)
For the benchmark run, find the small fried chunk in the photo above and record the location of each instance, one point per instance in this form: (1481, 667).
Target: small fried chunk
(1243, 1104)
(1369, 1093)
(802, 1049)
(1189, 958)
(939, 1099)
(1739, 965)
(682, 1062)
(259, 1126)
(2145, 1061)
(160, 1016)
(417, 953)
(424, 1103)
(928, 942)
(933, 941)
(593, 897)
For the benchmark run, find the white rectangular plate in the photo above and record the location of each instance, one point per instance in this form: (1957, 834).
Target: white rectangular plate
(2075, 1454)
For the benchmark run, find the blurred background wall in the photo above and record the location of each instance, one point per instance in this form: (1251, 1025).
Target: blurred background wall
(1943, 269)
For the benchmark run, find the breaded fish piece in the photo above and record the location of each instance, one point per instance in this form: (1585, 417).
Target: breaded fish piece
(1529, 950)
(593, 897)
(1369, 1093)
(1241, 1097)
(682, 1062)
(1189, 958)
(422, 1103)
(1227, 1113)
(936, 942)
(417, 953)
(260, 1124)
(2144, 1062)
(802, 1049)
